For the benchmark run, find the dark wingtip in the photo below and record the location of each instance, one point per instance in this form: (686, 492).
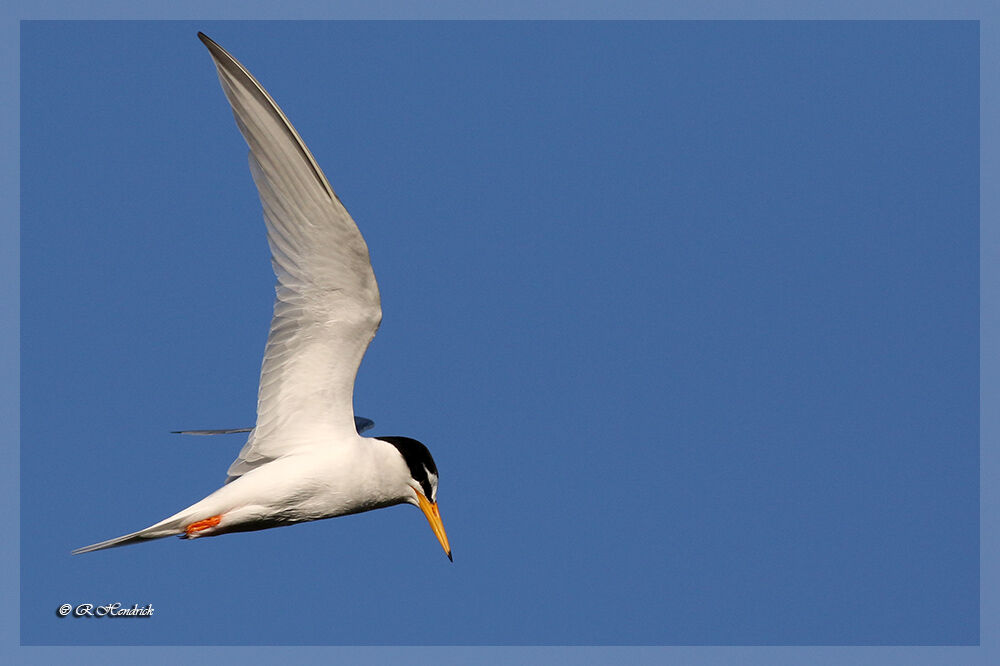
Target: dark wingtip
(213, 48)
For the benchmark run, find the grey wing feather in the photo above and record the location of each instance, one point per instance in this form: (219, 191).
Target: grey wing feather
(327, 307)
(361, 424)
(209, 432)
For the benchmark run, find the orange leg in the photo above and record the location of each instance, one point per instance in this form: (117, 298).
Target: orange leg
(202, 525)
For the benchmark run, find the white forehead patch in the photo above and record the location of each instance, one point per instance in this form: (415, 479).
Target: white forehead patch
(432, 479)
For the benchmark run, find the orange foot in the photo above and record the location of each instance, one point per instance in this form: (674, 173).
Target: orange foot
(202, 525)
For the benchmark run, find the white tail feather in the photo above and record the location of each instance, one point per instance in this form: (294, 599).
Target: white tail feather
(168, 527)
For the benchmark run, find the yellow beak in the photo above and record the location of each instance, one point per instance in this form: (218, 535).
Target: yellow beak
(430, 510)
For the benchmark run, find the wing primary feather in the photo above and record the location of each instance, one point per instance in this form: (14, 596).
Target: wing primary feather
(361, 423)
(210, 432)
(236, 70)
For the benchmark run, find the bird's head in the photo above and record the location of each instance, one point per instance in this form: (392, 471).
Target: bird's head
(422, 483)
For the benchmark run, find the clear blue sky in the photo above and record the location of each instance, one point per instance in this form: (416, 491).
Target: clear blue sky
(687, 313)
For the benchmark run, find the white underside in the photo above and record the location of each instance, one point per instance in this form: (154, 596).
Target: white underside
(323, 482)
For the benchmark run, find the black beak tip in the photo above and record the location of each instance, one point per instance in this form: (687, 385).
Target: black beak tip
(450, 558)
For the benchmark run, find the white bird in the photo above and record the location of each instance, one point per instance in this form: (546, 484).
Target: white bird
(304, 459)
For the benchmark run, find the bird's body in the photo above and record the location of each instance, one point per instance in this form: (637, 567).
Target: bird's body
(304, 459)
(350, 478)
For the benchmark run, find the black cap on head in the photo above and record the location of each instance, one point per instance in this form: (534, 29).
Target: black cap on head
(418, 459)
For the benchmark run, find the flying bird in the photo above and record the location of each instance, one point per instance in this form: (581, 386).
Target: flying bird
(305, 458)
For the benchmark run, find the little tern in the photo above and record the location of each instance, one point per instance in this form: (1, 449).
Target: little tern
(304, 459)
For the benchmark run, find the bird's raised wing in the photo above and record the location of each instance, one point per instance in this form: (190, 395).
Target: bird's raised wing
(327, 308)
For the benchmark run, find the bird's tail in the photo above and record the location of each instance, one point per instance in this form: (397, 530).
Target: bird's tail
(165, 528)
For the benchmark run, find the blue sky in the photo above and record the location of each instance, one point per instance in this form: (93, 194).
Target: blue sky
(687, 313)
